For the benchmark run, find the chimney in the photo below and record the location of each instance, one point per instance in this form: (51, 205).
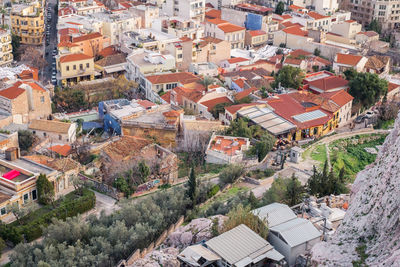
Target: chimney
(12, 153)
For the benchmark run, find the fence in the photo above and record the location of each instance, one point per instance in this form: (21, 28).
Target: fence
(103, 188)
(137, 254)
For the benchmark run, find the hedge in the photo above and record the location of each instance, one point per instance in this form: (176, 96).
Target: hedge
(36, 221)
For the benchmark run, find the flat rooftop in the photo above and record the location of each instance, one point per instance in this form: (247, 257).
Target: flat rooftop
(26, 164)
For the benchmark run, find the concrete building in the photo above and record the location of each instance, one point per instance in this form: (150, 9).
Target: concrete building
(255, 38)
(24, 101)
(89, 44)
(226, 149)
(224, 30)
(348, 29)
(179, 27)
(184, 52)
(386, 12)
(289, 235)
(213, 50)
(73, 68)
(187, 9)
(6, 55)
(147, 12)
(54, 131)
(344, 62)
(27, 22)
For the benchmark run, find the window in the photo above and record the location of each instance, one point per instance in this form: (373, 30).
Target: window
(81, 66)
(59, 137)
(42, 99)
(44, 134)
(34, 194)
(67, 68)
(74, 67)
(87, 65)
(26, 198)
(3, 210)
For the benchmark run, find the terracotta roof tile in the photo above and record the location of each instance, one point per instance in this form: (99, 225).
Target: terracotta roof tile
(348, 59)
(50, 126)
(63, 150)
(213, 14)
(340, 97)
(12, 92)
(235, 108)
(86, 37)
(295, 30)
(229, 27)
(292, 61)
(74, 57)
(181, 77)
(299, 52)
(369, 33)
(392, 86)
(257, 33)
(210, 104)
(329, 83)
(245, 93)
(237, 60)
(316, 15)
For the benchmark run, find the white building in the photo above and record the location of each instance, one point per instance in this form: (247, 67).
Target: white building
(187, 9)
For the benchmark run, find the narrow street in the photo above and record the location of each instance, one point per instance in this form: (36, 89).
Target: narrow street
(47, 71)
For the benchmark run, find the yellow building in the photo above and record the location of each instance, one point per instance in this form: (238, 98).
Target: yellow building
(6, 56)
(27, 22)
(74, 68)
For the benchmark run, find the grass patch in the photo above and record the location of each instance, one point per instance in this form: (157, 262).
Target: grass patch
(184, 166)
(384, 125)
(362, 254)
(224, 196)
(319, 153)
(350, 153)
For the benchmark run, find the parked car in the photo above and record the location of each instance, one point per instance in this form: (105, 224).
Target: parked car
(369, 114)
(359, 119)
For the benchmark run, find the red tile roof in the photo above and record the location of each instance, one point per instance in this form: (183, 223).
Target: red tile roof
(245, 93)
(67, 31)
(299, 52)
(348, 59)
(350, 21)
(329, 83)
(63, 150)
(252, 7)
(392, 86)
(12, 92)
(210, 104)
(86, 37)
(340, 97)
(74, 57)
(294, 7)
(229, 27)
(181, 77)
(369, 33)
(36, 86)
(146, 103)
(237, 60)
(316, 15)
(257, 33)
(213, 14)
(108, 51)
(239, 82)
(295, 30)
(179, 91)
(235, 108)
(228, 145)
(292, 61)
(286, 106)
(167, 97)
(216, 21)
(286, 16)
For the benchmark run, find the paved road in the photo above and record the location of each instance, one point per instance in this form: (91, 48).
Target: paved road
(53, 41)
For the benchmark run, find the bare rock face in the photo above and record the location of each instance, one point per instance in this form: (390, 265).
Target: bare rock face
(165, 257)
(370, 231)
(196, 231)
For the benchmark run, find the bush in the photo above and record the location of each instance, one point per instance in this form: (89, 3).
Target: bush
(25, 139)
(34, 222)
(269, 172)
(214, 190)
(230, 174)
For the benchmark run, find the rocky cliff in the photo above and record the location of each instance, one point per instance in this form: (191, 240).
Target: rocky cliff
(370, 232)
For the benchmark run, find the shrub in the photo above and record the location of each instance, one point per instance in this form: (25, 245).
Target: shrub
(37, 220)
(214, 190)
(269, 172)
(230, 174)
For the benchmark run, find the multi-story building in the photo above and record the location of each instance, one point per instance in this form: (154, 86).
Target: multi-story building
(147, 12)
(224, 30)
(27, 22)
(6, 56)
(187, 9)
(213, 50)
(179, 27)
(386, 12)
(89, 44)
(74, 68)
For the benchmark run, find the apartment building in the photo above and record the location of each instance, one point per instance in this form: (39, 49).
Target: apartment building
(179, 27)
(89, 44)
(187, 9)
(213, 50)
(224, 30)
(74, 68)
(6, 55)
(147, 12)
(27, 22)
(364, 11)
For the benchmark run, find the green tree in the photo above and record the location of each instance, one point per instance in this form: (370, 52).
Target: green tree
(289, 77)
(230, 174)
(317, 52)
(375, 26)
(294, 191)
(2, 245)
(253, 201)
(25, 139)
(144, 170)
(277, 192)
(45, 190)
(367, 88)
(207, 81)
(192, 190)
(243, 215)
(263, 146)
(219, 108)
(122, 185)
(350, 74)
(15, 43)
(280, 7)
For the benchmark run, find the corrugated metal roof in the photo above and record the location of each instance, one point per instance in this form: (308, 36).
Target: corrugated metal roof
(239, 245)
(309, 116)
(296, 231)
(192, 254)
(275, 214)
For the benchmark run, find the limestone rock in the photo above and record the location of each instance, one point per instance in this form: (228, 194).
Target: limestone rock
(371, 226)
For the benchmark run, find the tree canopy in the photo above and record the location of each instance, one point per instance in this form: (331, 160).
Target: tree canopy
(325, 182)
(45, 189)
(375, 26)
(25, 139)
(289, 77)
(280, 7)
(366, 88)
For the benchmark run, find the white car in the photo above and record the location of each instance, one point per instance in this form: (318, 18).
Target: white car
(369, 114)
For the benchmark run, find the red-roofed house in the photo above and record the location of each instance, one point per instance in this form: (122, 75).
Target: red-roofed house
(226, 149)
(323, 81)
(224, 30)
(393, 90)
(233, 63)
(25, 101)
(313, 63)
(294, 37)
(295, 62)
(62, 150)
(344, 62)
(74, 68)
(231, 111)
(255, 38)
